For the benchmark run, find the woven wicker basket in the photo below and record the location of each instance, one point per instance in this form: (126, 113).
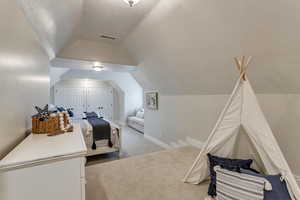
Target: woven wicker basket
(50, 126)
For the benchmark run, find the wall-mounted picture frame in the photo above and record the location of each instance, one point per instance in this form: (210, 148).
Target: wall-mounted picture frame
(152, 100)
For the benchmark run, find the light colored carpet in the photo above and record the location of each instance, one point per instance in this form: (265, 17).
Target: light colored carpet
(154, 176)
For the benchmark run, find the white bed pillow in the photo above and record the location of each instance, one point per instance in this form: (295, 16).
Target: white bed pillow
(99, 114)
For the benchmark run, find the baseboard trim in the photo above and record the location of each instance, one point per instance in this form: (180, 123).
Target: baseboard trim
(157, 142)
(178, 144)
(195, 143)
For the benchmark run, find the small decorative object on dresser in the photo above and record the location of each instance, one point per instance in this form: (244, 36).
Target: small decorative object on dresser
(152, 100)
(51, 123)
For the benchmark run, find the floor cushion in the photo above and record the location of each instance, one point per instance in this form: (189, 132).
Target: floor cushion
(233, 185)
(227, 163)
(279, 189)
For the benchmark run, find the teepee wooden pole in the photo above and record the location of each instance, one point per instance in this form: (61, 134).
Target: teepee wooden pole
(248, 62)
(243, 67)
(242, 64)
(238, 63)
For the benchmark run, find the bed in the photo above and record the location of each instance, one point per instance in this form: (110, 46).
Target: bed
(101, 146)
(154, 176)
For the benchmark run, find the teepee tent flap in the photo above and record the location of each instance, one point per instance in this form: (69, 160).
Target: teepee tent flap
(243, 110)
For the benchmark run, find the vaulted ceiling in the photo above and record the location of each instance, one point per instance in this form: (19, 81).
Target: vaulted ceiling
(55, 22)
(112, 18)
(186, 47)
(59, 24)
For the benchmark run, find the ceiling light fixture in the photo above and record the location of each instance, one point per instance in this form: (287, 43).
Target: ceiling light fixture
(131, 3)
(98, 68)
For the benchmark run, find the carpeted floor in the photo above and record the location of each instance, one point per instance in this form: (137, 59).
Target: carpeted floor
(154, 176)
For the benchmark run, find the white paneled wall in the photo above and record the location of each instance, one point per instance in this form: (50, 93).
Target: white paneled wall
(130, 93)
(86, 96)
(100, 100)
(74, 98)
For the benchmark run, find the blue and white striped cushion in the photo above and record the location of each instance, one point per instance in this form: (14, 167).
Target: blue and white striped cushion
(238, 186)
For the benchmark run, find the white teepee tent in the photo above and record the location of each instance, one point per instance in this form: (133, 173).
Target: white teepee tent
(243, 111)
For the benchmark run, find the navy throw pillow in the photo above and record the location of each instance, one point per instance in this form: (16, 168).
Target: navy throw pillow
(227, 163)
(61, 109)
(279, 189)
(70, 112)
(91, 115)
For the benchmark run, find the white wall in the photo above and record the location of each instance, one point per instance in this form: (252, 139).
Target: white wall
(82, 83)
(194, 116)
(55, 74)
(24, 80)
(119, 102)
(131, 90)
(181, 116)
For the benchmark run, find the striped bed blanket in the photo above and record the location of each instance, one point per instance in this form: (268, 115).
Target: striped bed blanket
(238, 186)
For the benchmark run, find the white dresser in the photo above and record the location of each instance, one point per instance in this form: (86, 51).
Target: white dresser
(45, 168)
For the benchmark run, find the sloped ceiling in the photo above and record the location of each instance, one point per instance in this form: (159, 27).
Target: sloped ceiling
(55, 22)
(101, 51)
(111, 17)
(187, 47)
(88, 65)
